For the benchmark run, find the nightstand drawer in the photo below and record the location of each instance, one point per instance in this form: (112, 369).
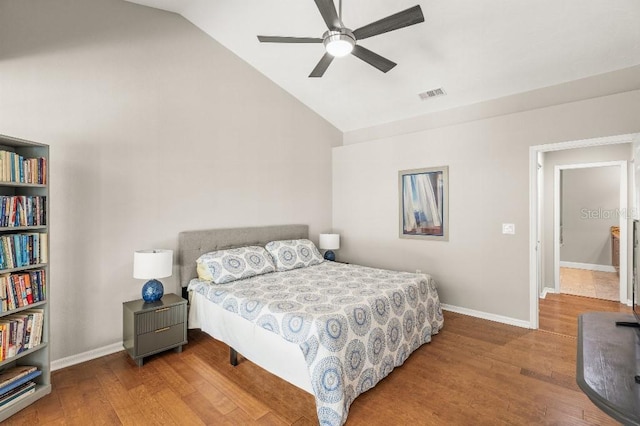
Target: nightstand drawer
(149, 328)
(160, 318)
(161, 338)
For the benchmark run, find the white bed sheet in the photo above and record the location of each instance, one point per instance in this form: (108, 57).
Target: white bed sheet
(264, 348)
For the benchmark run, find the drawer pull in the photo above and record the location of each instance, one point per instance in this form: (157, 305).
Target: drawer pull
(160, 330)
(162, 310)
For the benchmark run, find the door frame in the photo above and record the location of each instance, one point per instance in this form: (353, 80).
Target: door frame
(534, 290)
(623, 220)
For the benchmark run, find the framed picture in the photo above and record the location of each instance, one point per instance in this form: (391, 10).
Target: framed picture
(424, 203)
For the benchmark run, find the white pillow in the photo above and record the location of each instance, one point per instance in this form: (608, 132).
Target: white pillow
(293, 254)
(224, 266)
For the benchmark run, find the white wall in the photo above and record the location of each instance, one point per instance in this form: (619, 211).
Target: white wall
(590, 207)
(619, 152)
(154, 128)
(634, 187)
(478, 268)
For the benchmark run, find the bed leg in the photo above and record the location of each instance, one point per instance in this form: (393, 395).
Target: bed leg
(233, 356)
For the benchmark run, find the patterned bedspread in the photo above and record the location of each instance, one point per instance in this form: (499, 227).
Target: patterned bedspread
(353, 324)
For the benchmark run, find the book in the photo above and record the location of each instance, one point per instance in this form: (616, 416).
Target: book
(18, 385)
(8, 342)
(7, 166)
(11, 292)
(16, 168)
(17, 394)
(43, 174)
(17, 250)
(28, 330)
(3, 293)
(20, 321)
(13, 205)
(5, 340)
(6, 249)
(21, 210)
(15, 285)
(42, 282)
(4, 343)
(36, 327)
(20, 168)
(27, 286)
(11, 375)
(44, 248)
(35, 288)
(12, 161)
(4, 282)
(36, 249)
(3, 211)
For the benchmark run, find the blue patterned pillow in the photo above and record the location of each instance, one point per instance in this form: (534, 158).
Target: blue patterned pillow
(224, 266)
(292, 254)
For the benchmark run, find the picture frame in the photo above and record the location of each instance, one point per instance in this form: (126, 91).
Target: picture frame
(424, 203)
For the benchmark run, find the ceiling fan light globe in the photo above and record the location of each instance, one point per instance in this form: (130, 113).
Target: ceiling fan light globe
(339, 45)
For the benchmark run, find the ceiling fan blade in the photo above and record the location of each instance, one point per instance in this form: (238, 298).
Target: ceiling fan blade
(399, 20)
(383, 64)
(322, 66)
(328, 11)
(276, 39)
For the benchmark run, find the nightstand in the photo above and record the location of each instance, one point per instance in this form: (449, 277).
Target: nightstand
(149, 328)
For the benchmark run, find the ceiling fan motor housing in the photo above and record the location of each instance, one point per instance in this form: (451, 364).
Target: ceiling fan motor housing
(339, 42)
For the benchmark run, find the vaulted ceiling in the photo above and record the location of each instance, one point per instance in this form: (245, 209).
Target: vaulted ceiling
(476, 50)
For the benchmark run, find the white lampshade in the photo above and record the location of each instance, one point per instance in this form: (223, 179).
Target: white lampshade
(329, 241)
(151, 264)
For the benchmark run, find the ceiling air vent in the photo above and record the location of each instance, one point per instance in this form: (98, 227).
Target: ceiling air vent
(432, 93)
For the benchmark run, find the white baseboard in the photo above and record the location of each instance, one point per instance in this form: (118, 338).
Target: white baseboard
(487, 316)
(117, 347)
(86, 356)
(588, 266)
(547, 290)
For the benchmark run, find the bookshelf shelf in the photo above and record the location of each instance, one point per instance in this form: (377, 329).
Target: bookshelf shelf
(22, 308)
(23, 354)
(23, 268)
(41, 390)
(22, 228)
(25, 161)
(23, 185)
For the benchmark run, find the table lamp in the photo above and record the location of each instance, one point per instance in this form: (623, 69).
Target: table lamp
(329, 242)
(151, 265)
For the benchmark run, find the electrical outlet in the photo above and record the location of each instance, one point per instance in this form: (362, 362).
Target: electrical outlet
(508, 228)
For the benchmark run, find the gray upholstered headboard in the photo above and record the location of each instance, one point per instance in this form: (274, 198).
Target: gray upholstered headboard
(191, 244)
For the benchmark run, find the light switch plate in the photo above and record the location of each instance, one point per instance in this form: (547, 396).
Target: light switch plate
(508, 228)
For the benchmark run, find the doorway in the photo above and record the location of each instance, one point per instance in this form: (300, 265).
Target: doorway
(536, 283)
(590, 206)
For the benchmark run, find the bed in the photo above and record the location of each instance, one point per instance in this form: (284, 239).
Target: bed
(332, 329)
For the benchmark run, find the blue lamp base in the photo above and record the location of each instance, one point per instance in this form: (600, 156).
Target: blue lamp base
(329, 255)
(152, 291)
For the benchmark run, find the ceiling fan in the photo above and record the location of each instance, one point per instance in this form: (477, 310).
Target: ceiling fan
(339, 40)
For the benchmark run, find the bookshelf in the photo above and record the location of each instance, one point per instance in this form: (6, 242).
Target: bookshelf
(24, 250)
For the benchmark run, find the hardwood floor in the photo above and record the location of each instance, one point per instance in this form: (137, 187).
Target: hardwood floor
(475, 372)
(559, 312)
